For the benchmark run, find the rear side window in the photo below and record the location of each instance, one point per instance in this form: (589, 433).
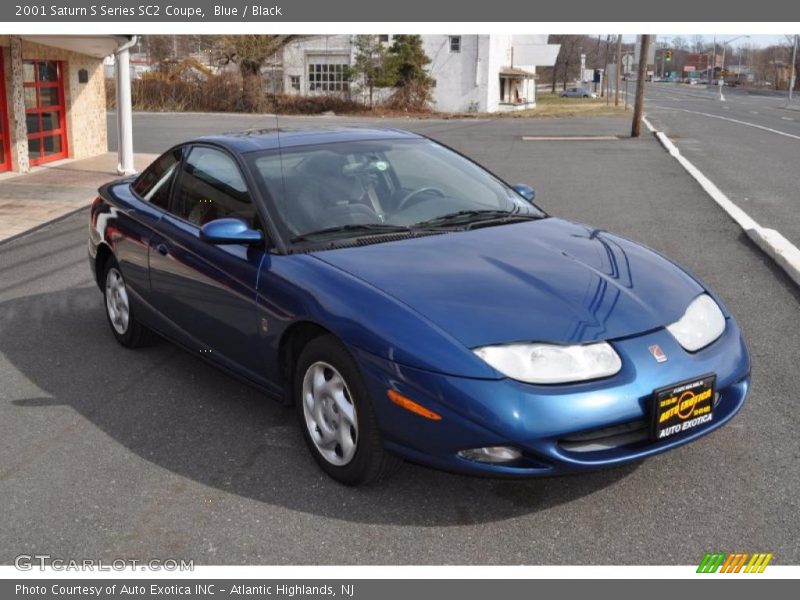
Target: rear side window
(211, 187)
(153, 185)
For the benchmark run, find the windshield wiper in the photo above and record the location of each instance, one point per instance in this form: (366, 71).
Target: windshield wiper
(363, 229)
(476, 216)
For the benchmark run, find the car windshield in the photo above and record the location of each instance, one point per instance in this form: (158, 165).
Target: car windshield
(380, 186)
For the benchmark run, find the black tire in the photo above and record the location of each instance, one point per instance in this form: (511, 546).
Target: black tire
(134, 334)
(371, 462)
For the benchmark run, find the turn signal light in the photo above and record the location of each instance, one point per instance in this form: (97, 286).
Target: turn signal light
(410, 405)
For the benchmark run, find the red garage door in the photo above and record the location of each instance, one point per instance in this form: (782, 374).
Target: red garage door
(5, 149)
(44, 108)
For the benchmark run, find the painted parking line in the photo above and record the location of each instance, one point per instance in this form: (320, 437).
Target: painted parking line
(737, 121)
(568, 138)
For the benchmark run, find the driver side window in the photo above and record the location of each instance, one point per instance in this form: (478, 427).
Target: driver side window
(211, 187)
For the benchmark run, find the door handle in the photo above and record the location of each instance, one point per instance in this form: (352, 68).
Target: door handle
(162, 249)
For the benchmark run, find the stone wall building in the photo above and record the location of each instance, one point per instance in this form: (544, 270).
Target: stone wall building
(52, 98)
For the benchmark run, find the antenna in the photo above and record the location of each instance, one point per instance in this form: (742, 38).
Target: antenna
(276, 111)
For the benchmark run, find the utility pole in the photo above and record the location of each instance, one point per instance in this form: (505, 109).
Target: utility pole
(603, 84)
(793, 76)
(617, 70)
(638, 108)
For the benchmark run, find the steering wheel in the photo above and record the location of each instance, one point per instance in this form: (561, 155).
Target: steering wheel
(407, 198)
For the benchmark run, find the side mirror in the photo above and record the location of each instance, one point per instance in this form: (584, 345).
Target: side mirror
(525, 191)
(230, 231)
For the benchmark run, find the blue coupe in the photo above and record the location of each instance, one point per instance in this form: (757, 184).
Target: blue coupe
(410, 304)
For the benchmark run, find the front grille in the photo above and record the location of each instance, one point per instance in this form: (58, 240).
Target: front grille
(606, 438)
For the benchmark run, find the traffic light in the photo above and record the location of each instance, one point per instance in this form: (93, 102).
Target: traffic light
(668, 55)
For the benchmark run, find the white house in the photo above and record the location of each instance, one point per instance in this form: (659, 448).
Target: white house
(483, 73)
(487, 73)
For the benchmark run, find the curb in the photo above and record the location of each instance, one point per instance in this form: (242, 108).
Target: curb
(781, 250)
(770, 241)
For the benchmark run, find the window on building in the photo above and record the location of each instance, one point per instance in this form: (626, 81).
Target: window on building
(328, 77)
(294, 82)
(383, 39)
(211, 187)
(455, 43)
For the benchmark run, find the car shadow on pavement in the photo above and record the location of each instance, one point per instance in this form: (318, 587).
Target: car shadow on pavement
(170, 409)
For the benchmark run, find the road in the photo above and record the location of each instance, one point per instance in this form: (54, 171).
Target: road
(106, 452)
(748, 145)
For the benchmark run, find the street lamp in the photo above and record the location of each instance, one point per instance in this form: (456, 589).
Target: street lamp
(722, 68)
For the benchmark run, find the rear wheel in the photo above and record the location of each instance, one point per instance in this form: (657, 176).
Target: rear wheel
(126, 329)
(336, 415)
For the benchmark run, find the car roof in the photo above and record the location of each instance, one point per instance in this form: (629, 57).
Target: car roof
(254, 140)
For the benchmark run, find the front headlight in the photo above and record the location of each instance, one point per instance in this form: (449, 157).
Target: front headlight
(701, 324)
(550, 363)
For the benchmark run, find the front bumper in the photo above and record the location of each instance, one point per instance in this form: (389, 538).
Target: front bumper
(561, 428)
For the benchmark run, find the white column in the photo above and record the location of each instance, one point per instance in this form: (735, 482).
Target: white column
(124, 112)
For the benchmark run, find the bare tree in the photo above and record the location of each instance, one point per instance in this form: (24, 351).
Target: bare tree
(251, 53)
(568, 57)
(678, 43)
(158, 47)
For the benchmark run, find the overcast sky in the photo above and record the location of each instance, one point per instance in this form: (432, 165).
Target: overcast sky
(756, 40)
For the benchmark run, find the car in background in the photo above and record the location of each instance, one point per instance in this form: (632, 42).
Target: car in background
(410, 304)
(578, 92)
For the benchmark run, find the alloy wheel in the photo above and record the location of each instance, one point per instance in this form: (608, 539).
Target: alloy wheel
(330, 413)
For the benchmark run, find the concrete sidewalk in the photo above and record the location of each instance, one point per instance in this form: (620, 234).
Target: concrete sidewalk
(54, 190)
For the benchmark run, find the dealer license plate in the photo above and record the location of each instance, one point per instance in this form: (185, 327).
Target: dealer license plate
(683, 406)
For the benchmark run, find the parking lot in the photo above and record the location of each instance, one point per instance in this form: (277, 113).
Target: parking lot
(106, 452)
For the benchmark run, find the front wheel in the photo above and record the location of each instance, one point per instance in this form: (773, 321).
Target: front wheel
(336, 415)
(126, 329)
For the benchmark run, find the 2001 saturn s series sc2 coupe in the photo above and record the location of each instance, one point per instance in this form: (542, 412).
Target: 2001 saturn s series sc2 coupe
(411, 304)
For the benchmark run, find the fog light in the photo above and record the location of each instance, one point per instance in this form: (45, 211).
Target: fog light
(491, 454)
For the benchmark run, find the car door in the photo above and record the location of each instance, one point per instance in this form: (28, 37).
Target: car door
(206, 293)
(127, 222)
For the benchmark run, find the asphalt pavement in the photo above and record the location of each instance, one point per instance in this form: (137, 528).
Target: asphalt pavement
(748, 145)
(107, 452)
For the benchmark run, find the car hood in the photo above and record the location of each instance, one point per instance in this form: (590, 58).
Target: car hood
(547, 280)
